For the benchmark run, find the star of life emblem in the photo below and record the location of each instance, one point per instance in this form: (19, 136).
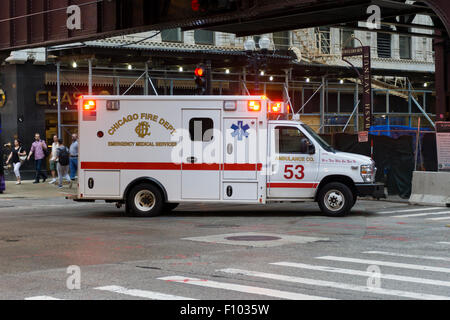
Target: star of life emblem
(240, 130)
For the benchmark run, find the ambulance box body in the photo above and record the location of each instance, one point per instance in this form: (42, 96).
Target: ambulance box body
(153, 152)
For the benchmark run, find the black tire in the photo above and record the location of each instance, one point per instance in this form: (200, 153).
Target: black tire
(145, 200)
(335, 199)
(169, 206)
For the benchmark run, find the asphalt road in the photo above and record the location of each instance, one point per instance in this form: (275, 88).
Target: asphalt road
(382, 250)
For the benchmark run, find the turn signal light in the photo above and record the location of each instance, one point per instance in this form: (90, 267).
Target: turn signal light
(254, 105)
(89, 105)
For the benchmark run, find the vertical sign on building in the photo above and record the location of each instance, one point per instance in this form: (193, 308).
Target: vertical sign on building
(366, 80)
(367, 85)
(443, 145)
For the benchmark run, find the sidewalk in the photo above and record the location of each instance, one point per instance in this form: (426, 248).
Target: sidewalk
(42, 190)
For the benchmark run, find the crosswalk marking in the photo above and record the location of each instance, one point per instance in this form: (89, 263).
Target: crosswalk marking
(407, 255)
(337, 285)
(421, 214)
(408, 210)
(142, 293)
(243, 288)
(438, 219)
(386, 263)
(363, 273)
(42, 298)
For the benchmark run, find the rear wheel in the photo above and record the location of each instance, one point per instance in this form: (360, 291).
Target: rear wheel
(335, 199)
(145, 200)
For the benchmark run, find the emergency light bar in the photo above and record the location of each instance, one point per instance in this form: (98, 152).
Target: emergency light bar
(89, 105)
(254, 105)
(276, 107)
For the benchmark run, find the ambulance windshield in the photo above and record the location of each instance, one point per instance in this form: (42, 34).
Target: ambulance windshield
(319, 139)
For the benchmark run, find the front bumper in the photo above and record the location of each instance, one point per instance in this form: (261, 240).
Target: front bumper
(375, 190)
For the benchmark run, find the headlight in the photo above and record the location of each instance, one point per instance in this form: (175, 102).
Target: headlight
(368, 172)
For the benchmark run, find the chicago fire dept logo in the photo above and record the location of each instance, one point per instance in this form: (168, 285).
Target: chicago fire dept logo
(143, 129)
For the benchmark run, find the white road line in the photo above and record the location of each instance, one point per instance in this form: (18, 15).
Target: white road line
(438, 219)
(410, 210)
(386, 263)
(142, 293)
(363, 273)
(337, 285)
(444, 242)
(42, 298)
(407, 255)
(243, 288)
(420, 214)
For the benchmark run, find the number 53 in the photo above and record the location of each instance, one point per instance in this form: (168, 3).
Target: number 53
(289, 172)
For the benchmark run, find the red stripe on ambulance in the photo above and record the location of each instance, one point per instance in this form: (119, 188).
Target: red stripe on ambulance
(293, 185)
(169, 166)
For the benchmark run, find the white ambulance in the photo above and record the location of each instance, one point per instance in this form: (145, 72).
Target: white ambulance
(153, 152)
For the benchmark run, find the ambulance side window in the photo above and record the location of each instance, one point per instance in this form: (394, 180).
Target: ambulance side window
(201, 129)
(289, 140)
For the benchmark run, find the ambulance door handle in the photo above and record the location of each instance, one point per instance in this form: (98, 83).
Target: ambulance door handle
(191, 159)
(230, 148)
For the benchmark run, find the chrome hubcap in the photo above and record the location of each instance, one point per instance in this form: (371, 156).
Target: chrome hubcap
(144, 200)
(334, 200)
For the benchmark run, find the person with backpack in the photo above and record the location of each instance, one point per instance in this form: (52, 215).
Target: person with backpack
(63, 160)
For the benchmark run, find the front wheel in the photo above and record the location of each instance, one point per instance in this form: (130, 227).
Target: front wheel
(145, 200)
(335, 199)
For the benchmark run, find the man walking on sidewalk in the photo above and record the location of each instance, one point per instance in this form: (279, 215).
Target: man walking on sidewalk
(55, 146)
(38, 148)
(74, 156)
(62, 159)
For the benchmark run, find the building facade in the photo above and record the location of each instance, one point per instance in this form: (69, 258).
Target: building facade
(303, 67)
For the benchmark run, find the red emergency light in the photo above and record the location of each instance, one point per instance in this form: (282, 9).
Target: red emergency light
(276, 107)
(89, 105)
(254, 105)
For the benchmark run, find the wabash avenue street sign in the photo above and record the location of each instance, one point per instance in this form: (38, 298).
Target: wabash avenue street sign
(366, 79)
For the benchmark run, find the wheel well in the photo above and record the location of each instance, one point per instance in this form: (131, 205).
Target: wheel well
(337, 178)
(149, 180)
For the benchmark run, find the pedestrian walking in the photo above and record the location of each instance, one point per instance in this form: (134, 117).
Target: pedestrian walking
(2, 172)
(52, 161)
(39, 149)
(17, 157)
(74, 157)
(63, 161)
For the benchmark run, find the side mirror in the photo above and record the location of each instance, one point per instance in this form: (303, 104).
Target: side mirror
(311, 149)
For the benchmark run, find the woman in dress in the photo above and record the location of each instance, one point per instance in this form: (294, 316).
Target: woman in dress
(16, 157)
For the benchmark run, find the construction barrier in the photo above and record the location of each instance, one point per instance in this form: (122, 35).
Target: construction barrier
(431, 188)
